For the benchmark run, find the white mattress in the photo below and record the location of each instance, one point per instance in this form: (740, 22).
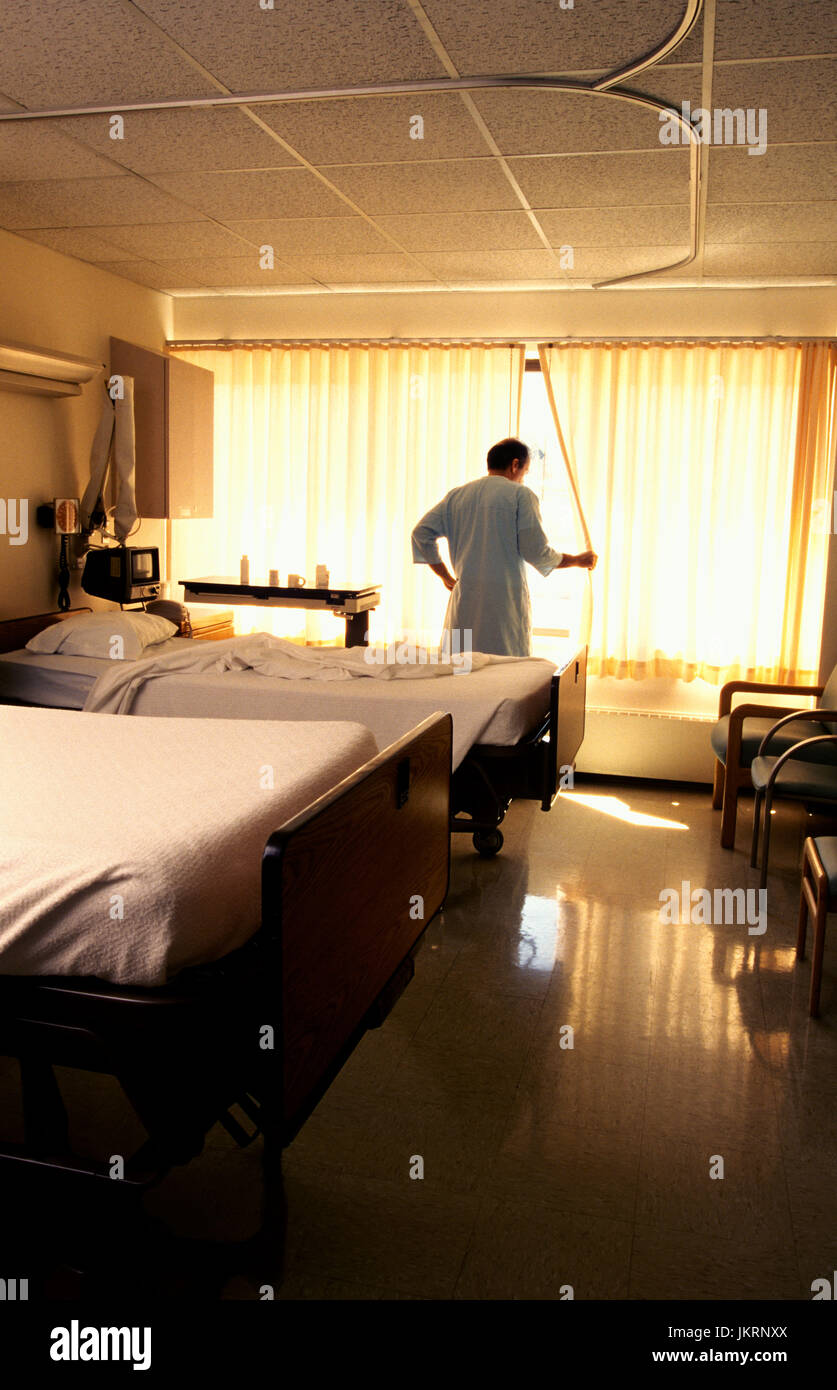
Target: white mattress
(498, 704)
(58, 681)
(164, 821)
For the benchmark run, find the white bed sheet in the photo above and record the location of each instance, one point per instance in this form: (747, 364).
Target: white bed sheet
(60, 681)
(498, 705)
(163, 821)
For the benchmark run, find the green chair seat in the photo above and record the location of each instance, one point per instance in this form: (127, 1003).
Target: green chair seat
(797, 778)
(754, 730)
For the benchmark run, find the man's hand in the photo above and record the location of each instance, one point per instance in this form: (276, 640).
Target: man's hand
(445, 575)
(585, 561)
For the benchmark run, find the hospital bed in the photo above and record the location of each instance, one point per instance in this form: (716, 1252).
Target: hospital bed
(515, 727)
(273, 881)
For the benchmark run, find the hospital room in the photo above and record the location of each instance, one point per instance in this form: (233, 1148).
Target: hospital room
(418, 667)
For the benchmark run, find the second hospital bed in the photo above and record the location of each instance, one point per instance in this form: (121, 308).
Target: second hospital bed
(516, 727)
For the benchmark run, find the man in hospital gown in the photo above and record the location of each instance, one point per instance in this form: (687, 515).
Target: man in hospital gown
(492, 527)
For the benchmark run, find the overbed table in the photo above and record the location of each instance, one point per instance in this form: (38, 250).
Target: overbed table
(353, 603)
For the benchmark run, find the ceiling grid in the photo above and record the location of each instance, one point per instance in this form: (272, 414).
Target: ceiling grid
(501, 180)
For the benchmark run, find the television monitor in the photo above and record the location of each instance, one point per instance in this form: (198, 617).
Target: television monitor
(122, 574)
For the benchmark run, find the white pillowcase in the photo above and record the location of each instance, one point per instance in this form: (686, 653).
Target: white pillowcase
(119, 636)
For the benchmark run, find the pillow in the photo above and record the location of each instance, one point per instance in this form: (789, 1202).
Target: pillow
(120, 636)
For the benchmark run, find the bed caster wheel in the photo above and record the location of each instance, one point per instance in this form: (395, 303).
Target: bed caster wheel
(488, 842)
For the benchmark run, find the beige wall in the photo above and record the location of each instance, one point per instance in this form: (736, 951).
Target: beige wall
(629, 312)
(54, 302)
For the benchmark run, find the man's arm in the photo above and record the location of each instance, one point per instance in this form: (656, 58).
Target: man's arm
(534, 546)
(444, 574)
(425, 540)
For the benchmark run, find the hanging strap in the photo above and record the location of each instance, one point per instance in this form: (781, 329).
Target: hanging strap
(99, 456)
(124, 459)
(115, 429)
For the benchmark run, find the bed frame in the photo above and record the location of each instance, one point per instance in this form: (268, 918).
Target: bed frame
(16, 632)
(265, 1029)
(490, 776)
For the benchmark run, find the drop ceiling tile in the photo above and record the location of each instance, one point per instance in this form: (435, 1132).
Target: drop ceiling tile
(602, 227)
(360, 270)
(463, 231)
(807, 173)
(157, 142)
(154, 277)
(262, 193)
(306, 44)
(605, 180)
(542, 36)
(690, 49)
(557, 122)
(588, 264)
(337, 234)
(85, 203)
(493, 265)
(671, 82)
(771, 222)
(598, 263)
(798, 98)
(791, 259)
(177, 240)
(39, 150)
(453, 185)
(224, 272)
(771, 28)
(60, 54)
(86, 243)
(377, 130)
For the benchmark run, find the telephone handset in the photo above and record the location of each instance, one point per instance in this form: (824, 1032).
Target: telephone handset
(176, 613)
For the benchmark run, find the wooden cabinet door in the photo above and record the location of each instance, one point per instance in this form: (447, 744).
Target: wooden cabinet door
(173, 403)
(190, 400)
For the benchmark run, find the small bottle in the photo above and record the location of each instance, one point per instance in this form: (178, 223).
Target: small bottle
(273, 578)
(322, 577)
(245, 569)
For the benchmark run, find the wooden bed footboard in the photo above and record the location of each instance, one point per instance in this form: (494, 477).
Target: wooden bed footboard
(354, 882)
(349, 887)
(492, 776)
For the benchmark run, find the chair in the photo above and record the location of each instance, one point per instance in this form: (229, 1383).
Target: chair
(818, 897)
(738, 733)
(793, 775)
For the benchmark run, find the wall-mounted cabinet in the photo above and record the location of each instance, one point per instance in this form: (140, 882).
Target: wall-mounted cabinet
(173, 424)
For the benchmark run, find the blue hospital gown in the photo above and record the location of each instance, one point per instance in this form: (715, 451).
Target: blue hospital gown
(492, 527)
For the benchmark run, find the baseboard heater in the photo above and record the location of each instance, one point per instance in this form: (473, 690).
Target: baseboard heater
(646, 743)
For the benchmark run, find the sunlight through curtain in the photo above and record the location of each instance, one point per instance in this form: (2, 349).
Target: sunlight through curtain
(706, 472)
(329, 454)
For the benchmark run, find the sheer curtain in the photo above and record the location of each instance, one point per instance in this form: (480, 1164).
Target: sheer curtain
(329, 454)
(705, 470)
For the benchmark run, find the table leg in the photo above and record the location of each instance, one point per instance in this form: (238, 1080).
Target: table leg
(357, 629)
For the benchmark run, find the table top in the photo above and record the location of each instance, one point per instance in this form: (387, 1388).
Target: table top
(219, 583)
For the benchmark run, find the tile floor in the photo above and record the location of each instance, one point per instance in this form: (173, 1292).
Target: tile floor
(545, 1165)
